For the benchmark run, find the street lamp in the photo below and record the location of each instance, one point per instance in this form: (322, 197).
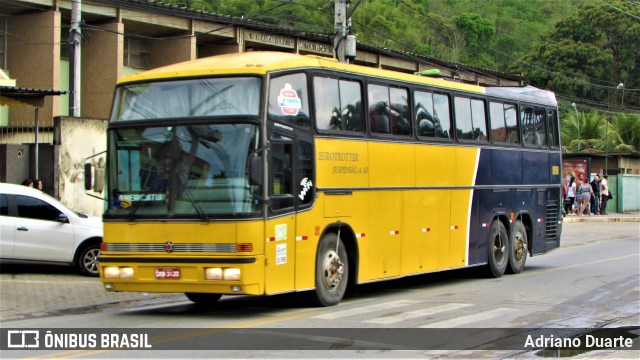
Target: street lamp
(621, 86)
(578, 120)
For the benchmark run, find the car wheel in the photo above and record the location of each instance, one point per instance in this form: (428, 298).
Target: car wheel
(88, 260)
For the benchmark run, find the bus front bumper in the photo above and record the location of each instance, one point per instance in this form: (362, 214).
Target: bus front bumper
(238, 275)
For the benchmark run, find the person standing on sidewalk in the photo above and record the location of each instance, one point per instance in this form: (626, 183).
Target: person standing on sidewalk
(604, 195)
(587, 195)
(571, 195)
(595, 188)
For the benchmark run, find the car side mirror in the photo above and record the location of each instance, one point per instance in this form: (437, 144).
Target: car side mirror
(62, 218)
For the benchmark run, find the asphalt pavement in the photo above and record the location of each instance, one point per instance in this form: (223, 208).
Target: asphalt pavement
(28, 292)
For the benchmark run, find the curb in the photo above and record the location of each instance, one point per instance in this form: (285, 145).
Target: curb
(601, 218)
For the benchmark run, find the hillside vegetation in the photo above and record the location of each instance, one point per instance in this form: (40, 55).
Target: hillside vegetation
(587, 51)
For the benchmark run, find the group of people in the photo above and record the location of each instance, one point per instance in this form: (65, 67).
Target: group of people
(37, 183)
(584, 198)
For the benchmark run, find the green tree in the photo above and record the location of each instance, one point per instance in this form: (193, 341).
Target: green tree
(588, 54)
(627, 126)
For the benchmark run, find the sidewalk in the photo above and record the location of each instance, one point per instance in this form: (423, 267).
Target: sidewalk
(611, 217)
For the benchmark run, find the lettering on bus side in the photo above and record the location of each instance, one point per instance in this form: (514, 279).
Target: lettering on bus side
(343, 157)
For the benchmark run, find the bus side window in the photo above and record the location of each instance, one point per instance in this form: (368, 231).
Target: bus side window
(400, 118)
(338, 104)
(351, 105)
(281, 173)
(533, 126)
(288, 100)
(553, 128)
(379, 111)
(504, 124)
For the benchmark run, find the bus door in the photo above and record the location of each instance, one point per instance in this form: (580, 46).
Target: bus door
(290, 189)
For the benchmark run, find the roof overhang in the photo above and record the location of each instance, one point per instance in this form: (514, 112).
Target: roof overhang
(16, 96)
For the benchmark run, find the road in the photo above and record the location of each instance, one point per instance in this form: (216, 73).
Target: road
(593, 281)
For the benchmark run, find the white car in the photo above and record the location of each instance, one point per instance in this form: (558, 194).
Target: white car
(36, 228)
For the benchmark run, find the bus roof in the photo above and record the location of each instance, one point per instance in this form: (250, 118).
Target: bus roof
(263, 62)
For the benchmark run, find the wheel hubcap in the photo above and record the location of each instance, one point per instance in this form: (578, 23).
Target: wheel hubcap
(498, 248)
(332, 270)
(520, 248)
(91, 260)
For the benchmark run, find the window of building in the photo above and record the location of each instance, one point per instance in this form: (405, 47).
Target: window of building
(136, 53)
(432, 115)
(3, 42)
(338, 104)
(389, 110)
(471, 120)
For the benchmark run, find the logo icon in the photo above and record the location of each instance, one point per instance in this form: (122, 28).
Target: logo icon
(23, 338)
(168, 246)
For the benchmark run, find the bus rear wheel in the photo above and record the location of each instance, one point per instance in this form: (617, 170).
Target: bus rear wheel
(203, 299)
(497, 242)
(518, 247)
(332, 271)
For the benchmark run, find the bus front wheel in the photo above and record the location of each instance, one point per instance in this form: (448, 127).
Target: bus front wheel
(332, 271)
(518, 247)
(203, 299)
(497, 243)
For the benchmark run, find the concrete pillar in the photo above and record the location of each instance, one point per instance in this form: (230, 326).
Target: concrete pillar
(167, 52)
(102, 61)
(33, 59)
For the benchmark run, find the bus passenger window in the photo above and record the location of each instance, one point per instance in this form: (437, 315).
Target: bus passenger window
(442, 114)
(338, 104)
(281, 172)
(552, 120)
(288, 100)
(533, 126)
(351, 105)
(379, 112)
(327, 101)
(389, 110)
(471, 120)
(504, 124)
(498, 127)
(400, 123)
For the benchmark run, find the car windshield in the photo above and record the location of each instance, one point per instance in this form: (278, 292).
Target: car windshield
(187, 171)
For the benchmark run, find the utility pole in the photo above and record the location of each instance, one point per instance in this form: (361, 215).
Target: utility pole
(340, 30)
(75, 40)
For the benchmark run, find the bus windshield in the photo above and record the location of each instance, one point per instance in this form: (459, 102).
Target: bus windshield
(188, 98)
(187, 171)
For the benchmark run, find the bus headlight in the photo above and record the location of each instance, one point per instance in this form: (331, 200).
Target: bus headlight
(213, 273)
(111, 272)
(231, 274)
(126, 273)
(115, 272)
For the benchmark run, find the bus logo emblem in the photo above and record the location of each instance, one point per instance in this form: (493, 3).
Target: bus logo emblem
(289, 101)
(168, 246)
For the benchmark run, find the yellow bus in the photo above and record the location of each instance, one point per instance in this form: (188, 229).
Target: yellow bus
(264, 173)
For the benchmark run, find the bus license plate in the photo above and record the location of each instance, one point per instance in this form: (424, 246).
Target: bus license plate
(167, 273)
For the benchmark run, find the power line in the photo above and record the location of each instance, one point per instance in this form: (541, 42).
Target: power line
(622, 11)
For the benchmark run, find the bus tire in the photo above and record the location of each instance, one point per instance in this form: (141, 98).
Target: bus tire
(497, 243)
(518, 247)
(203, 299)
(332, 271)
